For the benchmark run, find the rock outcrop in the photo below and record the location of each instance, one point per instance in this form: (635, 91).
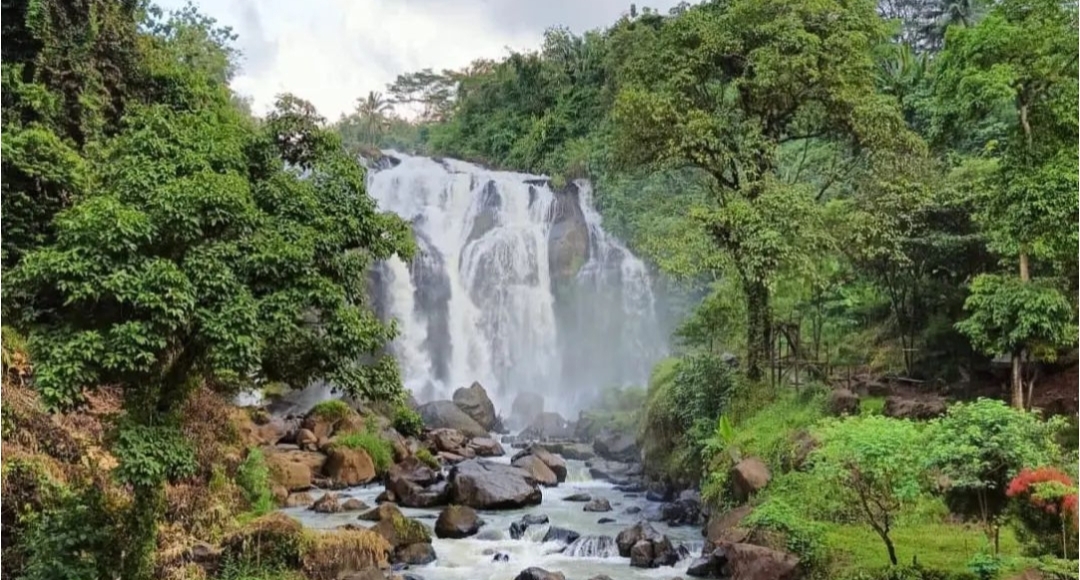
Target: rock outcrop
(616, 446)
(646, 547)
(482, 484)
(745, 562)
(457, 521)
(748, 477)
(475, 403)
(447, 415)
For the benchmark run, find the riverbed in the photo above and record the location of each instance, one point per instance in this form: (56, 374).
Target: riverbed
(473, 558)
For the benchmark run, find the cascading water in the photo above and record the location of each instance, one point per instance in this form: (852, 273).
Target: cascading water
(514, 285)
(592, 547)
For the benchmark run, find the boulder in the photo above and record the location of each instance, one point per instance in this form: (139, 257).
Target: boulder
(557, 534)
(412, 483)
(474, 402)
(416, 554)
(748, 477)
(486, 447)
(517, 529)
(608, 470)
(915, 409)
(307, 440)
(616, 446)
(548, 425)
(449, 440)
(536, 469)
(385, 511)
(606, 521)
(726, 527)
(598, 505)
(369, 574)
(481, 484)
(353, 505)
(535, 573)
(555, 463)
(527, 407)
(294, 470)
(327, 504)
(578, 497)
(576, 451)
(447, 415)
(646, 547)
(749, 562)
(842, 402)
(457, 521)
(349, 467)
(401, 531)
(300, 499)
(450, 458)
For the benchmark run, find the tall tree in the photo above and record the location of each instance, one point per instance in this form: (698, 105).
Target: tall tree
(1019, 65)
(723, 88)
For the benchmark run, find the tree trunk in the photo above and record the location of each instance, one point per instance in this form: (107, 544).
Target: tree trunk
(1017, 382)
(758, 328)
(890, 547)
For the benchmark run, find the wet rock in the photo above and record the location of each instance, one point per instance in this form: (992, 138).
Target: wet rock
(915, 409)
(475, 403)
(301, 499)
(353, 505)
(450, 458)
(616, 446)
(575, 451)
(447, 415)
(486, 447)
(548, 425)
(456, 522)
(598, 505)
(294, 470)
(601, 577)
(349, 467)
(704, 567)
(415, 554)
(413, 484)
(659, 493)
(746, 561)
(500, 557)
(748, 477)
(385, 496)
(527, 407)
(386, 511)
(535, 573)
(578, 497)
(482, 484)
(556, 464)
(517, 529)
(327, 504)
(491, 535)
(606, 521)
(608, 470)
(537, 470)
(557, 534)
(632, 510)
(646, 547)
(449, 440)
(843, 402)
(368, 574)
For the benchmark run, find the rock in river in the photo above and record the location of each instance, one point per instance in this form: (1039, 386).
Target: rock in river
(483, 484)
(474, 402)
(457, 521)
(447, 415)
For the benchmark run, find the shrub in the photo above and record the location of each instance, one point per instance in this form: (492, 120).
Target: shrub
(407, 421)
(331, 410)
(985, 566)
(1045, 503)
(802, 537)
(253, 476)
(329, 554)
(274, 542)
(380, 450)
(424, 454)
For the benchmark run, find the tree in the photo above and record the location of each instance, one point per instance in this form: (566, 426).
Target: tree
(372, 113)
(723, 88)
(1019, 64)
(433, 91)
(875, 460)
(979, 447)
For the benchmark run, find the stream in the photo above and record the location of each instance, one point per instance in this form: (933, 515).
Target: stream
(473, 558)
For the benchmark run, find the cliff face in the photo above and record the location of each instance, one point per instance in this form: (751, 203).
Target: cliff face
(568, 238)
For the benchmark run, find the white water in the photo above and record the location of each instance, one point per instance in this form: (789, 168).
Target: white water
(472, 558)
(480, 301)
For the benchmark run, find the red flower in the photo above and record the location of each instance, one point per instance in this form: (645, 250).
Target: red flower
(1023, 486)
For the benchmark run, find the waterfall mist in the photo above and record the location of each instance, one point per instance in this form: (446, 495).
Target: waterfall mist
(514, 285)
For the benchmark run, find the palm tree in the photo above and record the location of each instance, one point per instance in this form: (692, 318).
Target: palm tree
(373, 113)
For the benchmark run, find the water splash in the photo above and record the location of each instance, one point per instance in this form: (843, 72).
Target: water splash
(592, 547)
(515, 285)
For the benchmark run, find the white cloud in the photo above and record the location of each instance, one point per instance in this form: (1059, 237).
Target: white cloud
(332, 51)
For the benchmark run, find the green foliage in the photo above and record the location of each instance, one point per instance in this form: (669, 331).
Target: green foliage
(253, 477)
(380, 450)
(424, 455)
(985, 566)
(1007, 315)
(802, 537)
(149, 455)
(875, 460)
(980, 446)
(407, 421)
(331, 410)
(78, 537)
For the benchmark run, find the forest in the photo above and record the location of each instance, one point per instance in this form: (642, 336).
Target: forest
(872, 206)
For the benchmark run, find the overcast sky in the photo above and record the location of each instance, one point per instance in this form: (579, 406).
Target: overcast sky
(332, 51)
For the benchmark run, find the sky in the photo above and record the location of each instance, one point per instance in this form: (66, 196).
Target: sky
(331, 52)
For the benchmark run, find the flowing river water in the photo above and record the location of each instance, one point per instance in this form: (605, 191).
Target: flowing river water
(473, 558)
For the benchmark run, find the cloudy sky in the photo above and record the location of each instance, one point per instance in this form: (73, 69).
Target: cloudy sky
(332, 51)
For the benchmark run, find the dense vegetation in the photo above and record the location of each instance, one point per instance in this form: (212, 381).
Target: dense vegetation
(863, 189)
(854, 188)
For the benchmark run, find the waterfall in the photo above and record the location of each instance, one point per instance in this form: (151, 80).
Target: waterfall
(592, 547)
(514, 285)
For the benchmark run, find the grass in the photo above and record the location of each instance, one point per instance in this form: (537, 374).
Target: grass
(253, 476)
(871, 405)
(941, 546)
(381, 452)
(424, 454)
(331, 410)
(768, 433)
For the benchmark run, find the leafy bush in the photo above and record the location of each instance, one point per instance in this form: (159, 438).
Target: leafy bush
(331, 410)
(407, 421)
(253, 476)
(802, 536)
(985, 566)
(80, 537)
(380, 450)
(1044, 504)
(424, 454)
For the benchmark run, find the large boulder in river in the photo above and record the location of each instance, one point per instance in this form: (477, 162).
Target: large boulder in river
(414, 484)
(483, 484)
(646, 547)
(457, 521)
(616, 446)
(447, 415)
(555, 463)
(540, 472)
(748, 477)
(349, 467)
(474, 402)
(486, 447)
(535, 573)
(526, 407)
(448, 440)
(548, 426)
